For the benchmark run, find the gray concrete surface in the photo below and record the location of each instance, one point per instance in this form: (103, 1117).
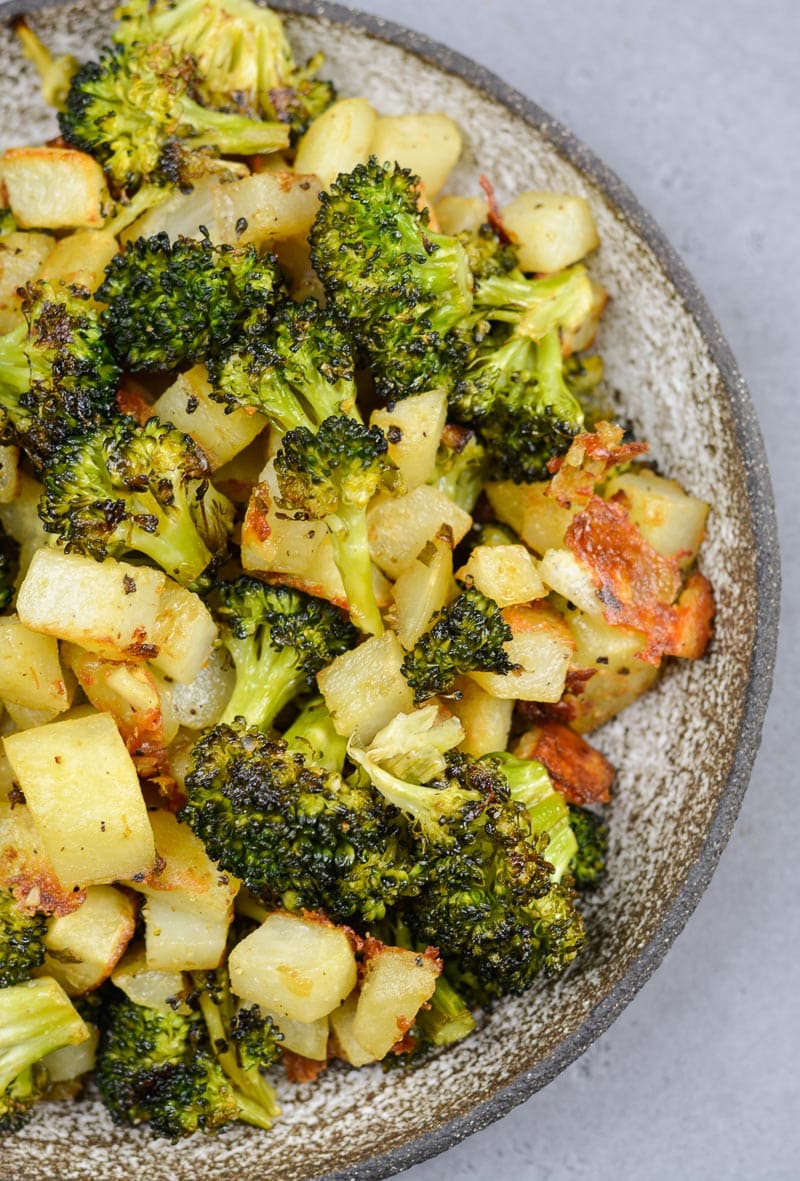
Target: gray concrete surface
(694, 105)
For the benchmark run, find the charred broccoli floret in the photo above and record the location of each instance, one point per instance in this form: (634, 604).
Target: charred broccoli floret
(124, 488)
(133, 111)
(36, 1017)
(467, 636)
(182, 301)
(462, 467)
(401, 287)
(57, 374)
(331, 477)
(295, 834)
(279, 639)
(588, 866)
(21, 941)
(244, 60)
(157, 1068)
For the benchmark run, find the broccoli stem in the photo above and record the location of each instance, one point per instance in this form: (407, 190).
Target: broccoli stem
(254, 1096)
(175, 544)
(449, 1019)
(239, 137)
(266, 681)
(312, 734)
(351, 553)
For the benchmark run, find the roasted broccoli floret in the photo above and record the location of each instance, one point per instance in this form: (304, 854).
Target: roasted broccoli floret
(400, 287)
(296, 368)
(133, 111)
(487, 253)
(332, 476)
(175, 302)
(36, 1017)
(244, 60)
(462, 467)
(157, 1068)
(9, 565)
(279, 639)
(314, 736)
(57, 374)
(125, 488)
(467, 636)
(295, 834)
(21, 941)
(588, 866)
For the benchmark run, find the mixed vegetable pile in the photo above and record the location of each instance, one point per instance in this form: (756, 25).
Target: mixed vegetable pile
(318, 563)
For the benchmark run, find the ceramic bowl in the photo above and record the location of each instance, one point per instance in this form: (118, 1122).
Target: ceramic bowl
(684, 752)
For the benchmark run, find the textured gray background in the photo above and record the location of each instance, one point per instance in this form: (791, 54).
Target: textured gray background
(694, 105)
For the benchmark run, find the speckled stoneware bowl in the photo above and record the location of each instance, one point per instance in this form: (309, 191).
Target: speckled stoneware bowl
(684, 752)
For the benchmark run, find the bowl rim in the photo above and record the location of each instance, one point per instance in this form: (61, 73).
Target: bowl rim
(765, 540)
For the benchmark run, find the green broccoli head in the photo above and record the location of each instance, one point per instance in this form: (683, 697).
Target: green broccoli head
(36, 1018)
(279, 639)
(133, 111)
(332, 476)
(243, 58)
(21, 941)
(57, 374)
(124, 488)
(467, 636)
(488, 254)
(296, 368)
(170, 303)
(256, 1039)
(588, 866)
(400, 287)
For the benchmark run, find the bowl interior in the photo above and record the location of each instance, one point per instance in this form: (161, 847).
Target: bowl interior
(675, 749)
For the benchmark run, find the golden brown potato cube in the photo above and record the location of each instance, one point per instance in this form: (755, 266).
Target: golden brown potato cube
(151, 987)
(54, 188)
(307, 1038)
(458, 214)
(413, 428)
(300, 968)
(81, 259)
(550, 230)
(139, 702)
(337, 140)
(673, 522)
(428, 144)
(30, 668)
(125, 603)
(565, 574)
(581, 774)
(220, 435)
(505, 573)
(486, 719)
(271, 206)
(184, 633)
(396, 984)
(83, 792)
(539, 519)
(24, 867)
(22, 254)
(83, 948)
(345, 1044)
(542, 646)
(364, 688)
(400, 526)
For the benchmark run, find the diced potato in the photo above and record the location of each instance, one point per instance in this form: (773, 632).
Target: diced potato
(24, 867)
(54, 188)
(338, 140)
(140, 704)
(562, 572)
(505, 573)
(486, 719)
(364, 688)
(429, 145)
(542, 645)
(28, 719)
(70, 1062)
(423, 588)
(83, 793)
(125, 602)
(413, 427)
(400, 526)
(300, 968)
(198, 703)
(81, 258)
(182, 214)
(269, 205)
(151, 987)
(539, 519)
(346, 1044)
(30, 668)
(178, 936)
(22, 253)
(220, 435)
(83, 948)
(550, 230)
(9, 472)
(672, 521)
(396, 984)
(457, 214)
(308, 1038)
(184, 633)
(20, 519)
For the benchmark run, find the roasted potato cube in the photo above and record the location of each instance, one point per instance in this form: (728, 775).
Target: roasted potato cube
(562, 572)
(539, 519)
(24, 867)
(30, 668)
(81, 258)
(400, 526)
(140, 704)
(22, 254)
(457, 214)
(364, 688)
(486, 719)
(542, 645)
(337, 140)
(270, 205)
(54, 188)
(672, 521)
(220, 435)
(346, 1045)
(550, 230)
(413, 428)
(505, 573)
(423, 588)
(152, 987)
(429, 145)
(83, 948)
(300, 968)
(396, 984)
(200, 702)
(184, 633)
(308, 1038)
(70, 1062)
(579, 772)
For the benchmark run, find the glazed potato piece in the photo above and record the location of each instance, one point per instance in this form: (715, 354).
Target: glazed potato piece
(271, 206)
(152, 987)
(364, 688)
(400, 526)
(550, 230)
(539, 519)
(220, 435)
(24, 867)
(81, 258)
(83, 792)
(308, 1038)
(542, 645)
(140, 704)
(423, 588)
(673, 522)
(506, 573)
(486, 720)
(338, 140)
(30, 668)
(396, 984)
(562, 572)
(413, 428)
(345, 1044)
(125, 602)
(300, 968)
(184, 633)
(54, 188)
(22, 254)
(83, 948)
(429, 145)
